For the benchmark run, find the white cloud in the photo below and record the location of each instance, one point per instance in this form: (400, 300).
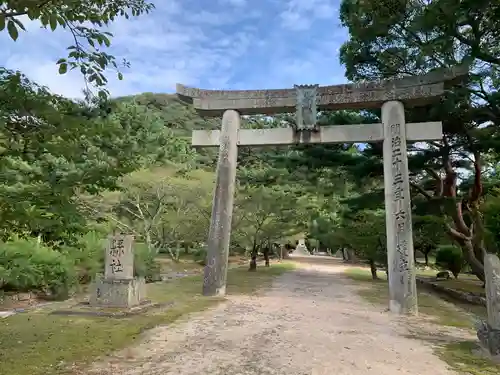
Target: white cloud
(301, 14)
(45, 74)
(224, 45)
(235, 3)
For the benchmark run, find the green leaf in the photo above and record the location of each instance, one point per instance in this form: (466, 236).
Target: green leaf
(19, 24)
(44, 19)
(12, 29)
(53, 21)
(120, 76)
(106, 41)
(33, 13)
(103, 94)
(60, 61)
(2, 22)
(63, 68)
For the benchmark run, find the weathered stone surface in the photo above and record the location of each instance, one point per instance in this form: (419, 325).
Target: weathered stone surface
(410, 90)
(489, 337)
(330, 98)
(402, 283)
(326, 134)
(117, 293)
(301, 249)
(306, 111)
(492, 289)
(488, 332)
(84, 309)
(463, 296)
(443, 275)
(214, 281)
(339, 254)
(119, 259)
(118, 287)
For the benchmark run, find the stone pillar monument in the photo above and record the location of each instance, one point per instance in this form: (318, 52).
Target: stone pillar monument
(488, 332)
(118, 287)
(402, 283)
(214, 281)
(301, 248)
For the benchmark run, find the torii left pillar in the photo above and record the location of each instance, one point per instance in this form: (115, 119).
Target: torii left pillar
(219, 235)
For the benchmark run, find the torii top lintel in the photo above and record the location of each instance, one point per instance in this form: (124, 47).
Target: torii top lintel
(411, 90)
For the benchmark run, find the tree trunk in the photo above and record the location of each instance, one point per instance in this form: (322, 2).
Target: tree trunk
(373, 270)
(253, 262)
(266, 256)
(466, 236)
(477, 268)
(426, 257)
(345, 256)
(253, 259)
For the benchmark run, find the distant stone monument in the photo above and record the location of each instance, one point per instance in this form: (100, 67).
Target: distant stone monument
(118, 287)
(391, 96)
(301, 248)
(488, 332)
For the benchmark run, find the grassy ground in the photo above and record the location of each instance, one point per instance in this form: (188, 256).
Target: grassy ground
(187, 264)
(37, 343)
(460, 355)
(465, 282)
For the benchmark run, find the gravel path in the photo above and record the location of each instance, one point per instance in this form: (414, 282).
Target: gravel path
(310, 323)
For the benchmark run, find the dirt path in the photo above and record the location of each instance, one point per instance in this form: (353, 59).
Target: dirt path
(310, 323)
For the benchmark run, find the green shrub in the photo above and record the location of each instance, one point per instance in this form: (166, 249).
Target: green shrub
(87, 256)
(26, 265)
(145, 264)
(450, 258)
(200, 256)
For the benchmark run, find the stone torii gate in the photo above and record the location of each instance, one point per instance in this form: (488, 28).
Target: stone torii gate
(306, 100)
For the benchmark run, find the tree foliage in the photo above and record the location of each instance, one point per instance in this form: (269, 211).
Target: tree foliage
(50, 153)
(389, 39)
(86, 21)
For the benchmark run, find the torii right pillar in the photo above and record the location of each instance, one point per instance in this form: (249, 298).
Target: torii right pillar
(400, 258)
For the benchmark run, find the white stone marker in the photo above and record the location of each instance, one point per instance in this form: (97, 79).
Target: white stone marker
(118, 287)
(402, 283)
(119, 259)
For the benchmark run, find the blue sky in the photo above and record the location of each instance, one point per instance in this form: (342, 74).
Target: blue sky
(222, 44)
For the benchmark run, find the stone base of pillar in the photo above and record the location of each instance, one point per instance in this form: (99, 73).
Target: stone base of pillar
(489, 338)
(117, 293)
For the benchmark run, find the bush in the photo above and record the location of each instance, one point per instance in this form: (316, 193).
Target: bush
(200, 256)
(450, 258)
(145, 264)
(87, 256)
(26, 265)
